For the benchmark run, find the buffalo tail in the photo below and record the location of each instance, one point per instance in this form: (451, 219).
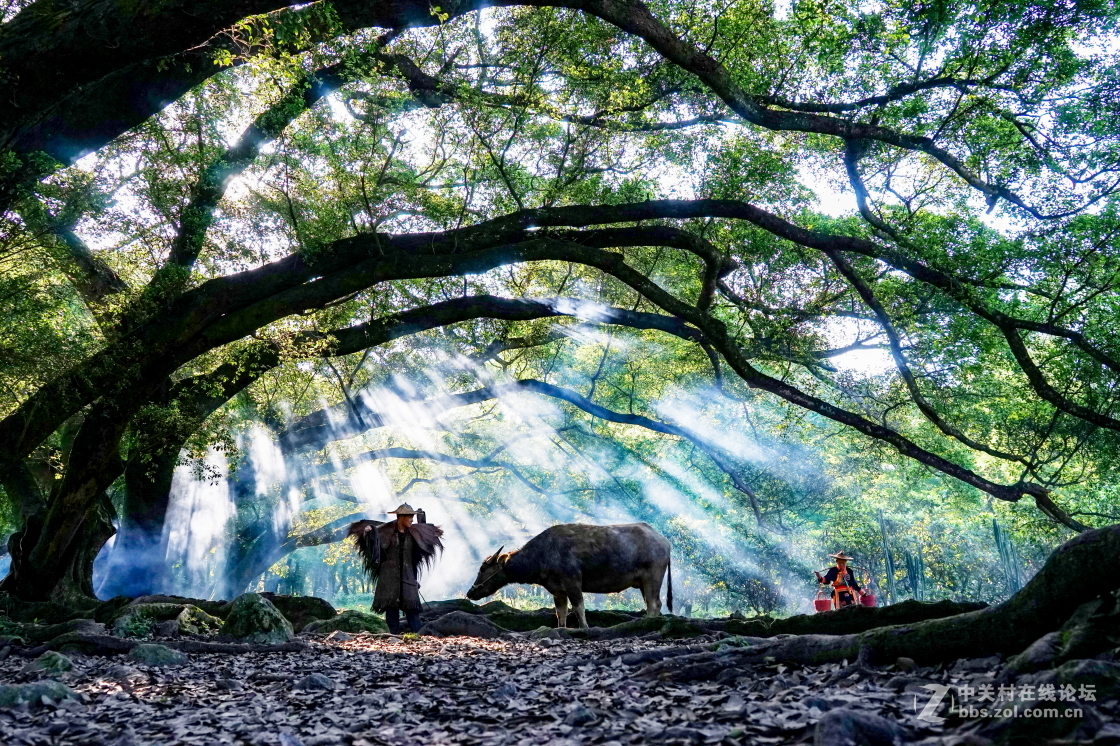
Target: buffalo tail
(669, 596)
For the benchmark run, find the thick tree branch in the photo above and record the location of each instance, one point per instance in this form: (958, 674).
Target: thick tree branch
(264, 551)
(444, 458)
(715, 332)
(46, 75)
(260, 294)
(320, 427)
(198, 214)
(894, 93)
(92, 278)
(636, 18)
(80, 77)
(434, 92)
(225, 309)
(895, 345)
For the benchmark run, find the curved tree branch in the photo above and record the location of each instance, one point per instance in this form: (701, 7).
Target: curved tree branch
(636, 18)
(443, 458)
(903, 367)
(198, 214)
(52, 88)
(225, 309)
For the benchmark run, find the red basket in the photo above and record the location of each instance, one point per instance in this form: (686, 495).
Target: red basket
(822, 604)
(868, 599)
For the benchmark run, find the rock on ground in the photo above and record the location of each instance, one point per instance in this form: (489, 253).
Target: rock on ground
(302, 610)
(316, 681)
(151, 654)
(34, 695)
(253, 618)
(50, 662)
(462, 623)
(194, 621)
(841, 727)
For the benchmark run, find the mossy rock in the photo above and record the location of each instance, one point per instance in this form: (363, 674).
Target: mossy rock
(32, 695)
(139, 620)
(349, 621)
(194, 621)
(219, 609)
(253, 618)
(301, 610)
(134, 625)
(157, 655)
(51, 663)
(160, 611)
(36, 634)
(463, 624)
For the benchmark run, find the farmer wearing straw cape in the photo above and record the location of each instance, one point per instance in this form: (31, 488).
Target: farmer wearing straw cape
(395, 554)
(843, 581)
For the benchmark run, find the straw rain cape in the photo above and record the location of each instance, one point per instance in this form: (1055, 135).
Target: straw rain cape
(395, 565)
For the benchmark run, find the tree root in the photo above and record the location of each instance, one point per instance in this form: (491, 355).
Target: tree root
(1077, 572)
(88, 644)
(849, 620)
(861, 666)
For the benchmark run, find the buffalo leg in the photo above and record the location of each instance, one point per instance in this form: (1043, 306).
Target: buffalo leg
(561, 609)
(576, 597)
(652, 595)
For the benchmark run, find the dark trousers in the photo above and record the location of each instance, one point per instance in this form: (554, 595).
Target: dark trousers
(393, 619)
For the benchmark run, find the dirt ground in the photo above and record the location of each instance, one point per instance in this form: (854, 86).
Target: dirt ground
(383, 690)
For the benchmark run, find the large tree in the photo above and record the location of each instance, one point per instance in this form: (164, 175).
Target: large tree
(271, 183)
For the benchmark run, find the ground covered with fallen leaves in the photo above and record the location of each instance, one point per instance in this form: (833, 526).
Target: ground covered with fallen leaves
(384, 690)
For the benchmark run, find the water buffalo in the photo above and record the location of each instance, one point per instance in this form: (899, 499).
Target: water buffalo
(573, 558)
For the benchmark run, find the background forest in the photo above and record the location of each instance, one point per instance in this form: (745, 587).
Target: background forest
(779, 279)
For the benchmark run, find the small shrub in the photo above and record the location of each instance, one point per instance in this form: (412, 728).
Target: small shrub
(138, 624)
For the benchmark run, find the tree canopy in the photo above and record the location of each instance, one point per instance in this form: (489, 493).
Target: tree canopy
(780, 265)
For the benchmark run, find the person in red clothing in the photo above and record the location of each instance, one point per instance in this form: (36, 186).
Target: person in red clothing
(843, 581)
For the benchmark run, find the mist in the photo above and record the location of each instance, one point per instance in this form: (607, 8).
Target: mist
(247, 520)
